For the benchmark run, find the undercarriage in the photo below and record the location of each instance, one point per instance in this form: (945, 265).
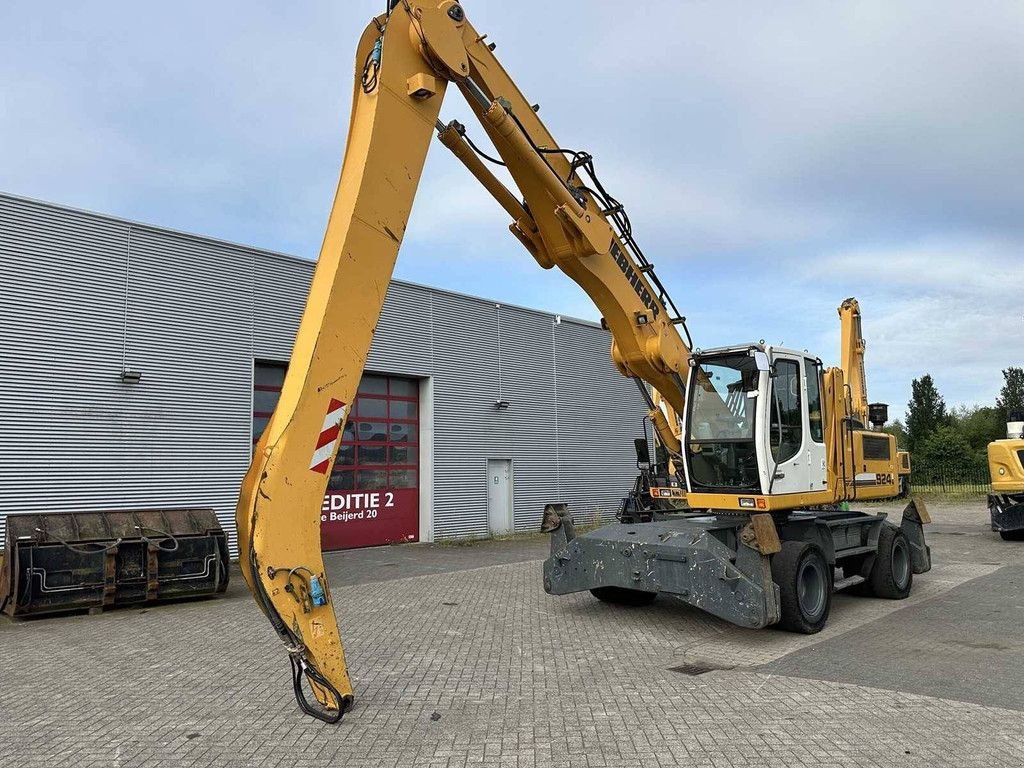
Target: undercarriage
(725, 563)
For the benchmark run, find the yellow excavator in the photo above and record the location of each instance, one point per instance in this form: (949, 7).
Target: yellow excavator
(769, 446)
(852, 348)
(1006, 467)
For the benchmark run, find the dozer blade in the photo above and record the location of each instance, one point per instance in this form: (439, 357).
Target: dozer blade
(915, 517)
(683, 557)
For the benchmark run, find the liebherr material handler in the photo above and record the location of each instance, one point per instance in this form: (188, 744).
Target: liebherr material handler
(769, 436)
(658, 487)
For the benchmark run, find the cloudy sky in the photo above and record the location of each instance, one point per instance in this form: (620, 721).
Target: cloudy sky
(775, 157)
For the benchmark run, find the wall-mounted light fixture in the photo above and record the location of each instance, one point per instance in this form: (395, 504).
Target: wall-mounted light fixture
(131, 377)
(502, 405)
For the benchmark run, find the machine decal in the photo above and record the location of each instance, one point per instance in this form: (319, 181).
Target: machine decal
(327, 443)
(634, 279)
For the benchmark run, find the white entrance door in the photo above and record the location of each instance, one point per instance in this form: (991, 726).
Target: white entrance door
(499, 496)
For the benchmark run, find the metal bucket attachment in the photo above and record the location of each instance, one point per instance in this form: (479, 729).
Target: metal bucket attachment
(66, 561)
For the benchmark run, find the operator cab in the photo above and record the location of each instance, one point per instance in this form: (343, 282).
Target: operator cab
(754, 422)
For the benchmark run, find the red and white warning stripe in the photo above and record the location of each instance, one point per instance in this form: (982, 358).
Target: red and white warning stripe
(327, 443)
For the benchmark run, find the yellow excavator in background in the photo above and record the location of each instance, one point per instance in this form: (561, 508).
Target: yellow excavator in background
(852, 347)
(769, 444)
(1006, 467)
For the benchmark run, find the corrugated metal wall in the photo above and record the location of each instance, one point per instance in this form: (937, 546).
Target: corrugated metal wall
(198, 312)
(73, 436)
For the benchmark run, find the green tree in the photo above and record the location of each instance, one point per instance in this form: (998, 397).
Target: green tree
(926, 411)
(1011, 396)
(945, 454)
(980, 425)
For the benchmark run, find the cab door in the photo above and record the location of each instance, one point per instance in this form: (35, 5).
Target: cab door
(814, 385)
(789, 455)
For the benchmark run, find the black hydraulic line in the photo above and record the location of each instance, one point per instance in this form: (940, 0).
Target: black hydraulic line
(480, 152)
(644, 393)
(301, 667)
(83, 549)
(159, 544)
(296, 655)
(614, 210)
(611, 208)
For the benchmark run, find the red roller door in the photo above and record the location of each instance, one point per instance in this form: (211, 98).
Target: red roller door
(373, 494)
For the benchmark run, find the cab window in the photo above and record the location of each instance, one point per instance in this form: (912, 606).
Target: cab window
(786, 428)
(815, 413)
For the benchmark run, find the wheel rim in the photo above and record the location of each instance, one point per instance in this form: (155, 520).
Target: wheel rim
(811, 589)
(900, 563)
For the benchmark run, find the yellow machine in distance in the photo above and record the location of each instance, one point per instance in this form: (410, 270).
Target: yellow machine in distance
(565, 218)
(1006, 467)
(852, 348)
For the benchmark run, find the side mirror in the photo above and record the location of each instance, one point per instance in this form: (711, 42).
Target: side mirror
(761, 360)
(643, 452)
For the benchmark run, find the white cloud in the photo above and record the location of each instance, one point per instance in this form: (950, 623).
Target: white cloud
(764, 150)
(949, 308)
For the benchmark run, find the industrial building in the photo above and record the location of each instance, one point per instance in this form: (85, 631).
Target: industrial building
(138, 365)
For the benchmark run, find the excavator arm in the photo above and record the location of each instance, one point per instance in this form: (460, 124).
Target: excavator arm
(406, 60)
(852, 346)
(852, 363)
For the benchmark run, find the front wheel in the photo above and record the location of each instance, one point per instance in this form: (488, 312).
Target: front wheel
(805, 587)
(623, 596)
(892, 573)
(1017, 535)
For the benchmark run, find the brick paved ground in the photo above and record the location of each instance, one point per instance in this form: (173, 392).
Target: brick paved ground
(509, 676)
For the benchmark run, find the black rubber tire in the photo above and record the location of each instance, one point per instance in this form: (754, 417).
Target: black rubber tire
(892, 574)
(1017, 535)
(623, 596)
(805, 587)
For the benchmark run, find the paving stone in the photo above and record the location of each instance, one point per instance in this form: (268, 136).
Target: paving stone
(518, 678)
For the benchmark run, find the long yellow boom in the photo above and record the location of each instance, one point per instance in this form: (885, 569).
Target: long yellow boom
(406, 59)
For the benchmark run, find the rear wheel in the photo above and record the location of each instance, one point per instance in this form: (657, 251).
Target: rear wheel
(1017, 535)
(892, 574)
(805, 586)
(623, 596)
